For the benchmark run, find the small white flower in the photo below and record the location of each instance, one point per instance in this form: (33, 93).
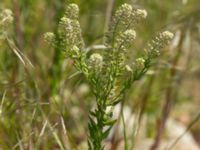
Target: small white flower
(75, 49)
(130, 34)
(159, 42)
(125, 8)
(72, 11)
(7, 12)
(127, 37)
(96, 58)
(49, 37)
(74, 7)
(167, 35)
(6, 17)
(141, 13)
(96, 61)
(123, 14)
(65, 21)
(128, 68)
(140, 63)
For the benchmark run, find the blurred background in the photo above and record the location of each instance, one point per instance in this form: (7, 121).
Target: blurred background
(43, 107)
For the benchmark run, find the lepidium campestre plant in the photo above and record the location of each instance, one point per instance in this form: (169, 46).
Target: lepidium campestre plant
(108, 72)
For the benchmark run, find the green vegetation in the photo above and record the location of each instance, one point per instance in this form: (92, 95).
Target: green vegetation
(63, 93)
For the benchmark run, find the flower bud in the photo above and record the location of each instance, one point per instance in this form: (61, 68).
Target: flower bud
(75, 49)
(6, 18)
(128, 68)
(96, 61)
(140, 63)
(129, 35)
(124, 9)
(126, 38)
(141, 13)
(167, 36)
(158, 43)
(122, 15)
(72, 11)
(65, 22)
(49, 37)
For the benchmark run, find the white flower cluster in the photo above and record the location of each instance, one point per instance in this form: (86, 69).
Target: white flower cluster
(123, 14)
(72, 11)
(159, 42)
(66, 29)
(75, 52)
(126, 16)
(75, 49)
(125, 39)
(122, 32)
(122, 27)
(129, 36)
(128, 68)
(96, 62)
(139, 63)
(6, 18)
(49, 37)
(140, 14)
(69, 28)
(166, 36)
(65, 23)
(69, 35)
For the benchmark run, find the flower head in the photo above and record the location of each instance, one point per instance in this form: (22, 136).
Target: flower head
(128, 68)
(167, 36)
(96, 61)
(72, 11)
(125, 19)
(6, 17)
(125, 39)
(75, 49)
(74, 52)
(141, 13)
(159, 42)
(49, 37)
(123, 15)
(129, 35)
(124, 9)
(140, 63)
(65, 23)
(70, 32)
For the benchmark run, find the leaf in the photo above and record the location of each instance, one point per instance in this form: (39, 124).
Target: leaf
(105, 133)
(109, 122)
(92, 113)
(114, 102)
(89, 145)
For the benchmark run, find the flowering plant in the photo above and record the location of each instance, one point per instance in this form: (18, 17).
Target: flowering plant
(108, 72)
